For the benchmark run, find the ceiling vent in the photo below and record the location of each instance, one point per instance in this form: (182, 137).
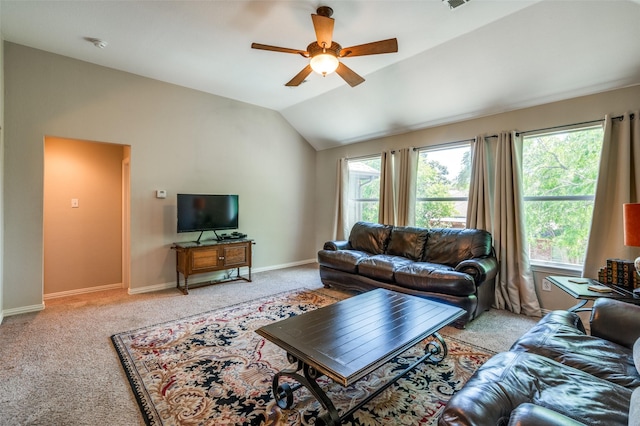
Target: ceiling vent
(455, 3)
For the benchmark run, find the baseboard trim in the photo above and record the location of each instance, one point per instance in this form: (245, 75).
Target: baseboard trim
(49, 296)
(151, 288)
(165, 286)
(23, 310)
(284, 265)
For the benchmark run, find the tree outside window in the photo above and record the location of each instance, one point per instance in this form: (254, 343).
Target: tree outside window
(442, 186)
(559, 179)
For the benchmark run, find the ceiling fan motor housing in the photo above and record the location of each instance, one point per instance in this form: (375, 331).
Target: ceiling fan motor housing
(325, 11)
(315, 49)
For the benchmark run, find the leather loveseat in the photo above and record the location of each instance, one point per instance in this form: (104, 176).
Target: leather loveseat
(557, 374)
(456, 266)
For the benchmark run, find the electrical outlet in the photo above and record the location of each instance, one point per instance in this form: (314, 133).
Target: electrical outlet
(74, 203)
(546, 285)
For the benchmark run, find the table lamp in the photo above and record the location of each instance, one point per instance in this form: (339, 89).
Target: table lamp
(632, 228)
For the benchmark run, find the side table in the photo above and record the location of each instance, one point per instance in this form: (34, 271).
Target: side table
(579, 289)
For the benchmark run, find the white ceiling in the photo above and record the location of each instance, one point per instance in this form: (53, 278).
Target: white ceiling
(485, 57)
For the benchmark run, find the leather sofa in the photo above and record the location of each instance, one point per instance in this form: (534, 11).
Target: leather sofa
(557, 374)
(455, 266)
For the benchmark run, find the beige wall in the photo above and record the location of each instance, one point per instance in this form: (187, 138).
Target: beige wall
(83, 245)
(566, 112)
(181, 141)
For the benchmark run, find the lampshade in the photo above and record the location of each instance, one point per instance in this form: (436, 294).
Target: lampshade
(631, 224)
(324, 63)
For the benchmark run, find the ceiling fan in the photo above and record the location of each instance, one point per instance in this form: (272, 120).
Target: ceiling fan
(325, 53)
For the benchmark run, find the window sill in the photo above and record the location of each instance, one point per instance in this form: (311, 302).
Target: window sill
(556, 268)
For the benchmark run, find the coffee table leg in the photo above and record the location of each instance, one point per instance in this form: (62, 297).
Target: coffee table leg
(283, 393)
(436, 349)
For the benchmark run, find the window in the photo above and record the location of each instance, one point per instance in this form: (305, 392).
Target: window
(364, 190)
(442, 186)
(559, 181)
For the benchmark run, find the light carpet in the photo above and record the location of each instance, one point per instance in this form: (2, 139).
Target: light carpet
(212, 368)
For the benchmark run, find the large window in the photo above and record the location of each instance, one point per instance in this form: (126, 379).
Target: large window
(559, 180)
(442, 186)
(364, 190)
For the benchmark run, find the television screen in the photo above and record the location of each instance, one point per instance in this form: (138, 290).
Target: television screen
(198, 212)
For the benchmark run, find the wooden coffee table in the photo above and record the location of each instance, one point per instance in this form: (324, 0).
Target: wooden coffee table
(351, 338)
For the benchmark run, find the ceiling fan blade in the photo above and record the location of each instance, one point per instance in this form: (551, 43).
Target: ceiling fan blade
(279, 49)
(373, 48)
(299, 78)
(349, 75)
(324, 29)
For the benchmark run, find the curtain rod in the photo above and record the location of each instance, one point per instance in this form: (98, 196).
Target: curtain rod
(451, 143)
(619, 117)
(444, 144)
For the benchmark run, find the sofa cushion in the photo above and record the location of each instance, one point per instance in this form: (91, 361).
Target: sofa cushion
(557, 336)
(407, 241)
(370, 237)
(509, 379)
(452, 246)
(342, 260)
(435, 278)
(381, 267)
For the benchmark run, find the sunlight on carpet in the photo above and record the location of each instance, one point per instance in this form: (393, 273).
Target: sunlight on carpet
(212, 368)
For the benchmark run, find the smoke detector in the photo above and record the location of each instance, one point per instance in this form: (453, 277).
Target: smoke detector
(100, 44)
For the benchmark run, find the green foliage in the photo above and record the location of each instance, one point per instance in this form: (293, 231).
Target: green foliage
(433, 181)
(560, 165)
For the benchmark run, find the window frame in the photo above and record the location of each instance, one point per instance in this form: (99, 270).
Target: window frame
(362, 201)
(444, 147)
(542, 264)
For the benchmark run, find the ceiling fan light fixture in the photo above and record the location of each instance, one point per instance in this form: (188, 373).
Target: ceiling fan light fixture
(324, 63)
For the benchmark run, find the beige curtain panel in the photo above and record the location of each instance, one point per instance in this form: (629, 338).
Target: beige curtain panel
(496, 205)
(387, 209)
(479, 205)
(618, 183)
(397, 187)
(406, 161)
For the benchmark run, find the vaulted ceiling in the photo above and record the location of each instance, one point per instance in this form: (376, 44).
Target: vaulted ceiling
(482, 58)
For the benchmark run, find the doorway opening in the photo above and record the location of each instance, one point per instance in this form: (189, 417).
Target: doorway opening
(86, 216)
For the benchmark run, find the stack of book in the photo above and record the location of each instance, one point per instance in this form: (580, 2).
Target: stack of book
(619, 272)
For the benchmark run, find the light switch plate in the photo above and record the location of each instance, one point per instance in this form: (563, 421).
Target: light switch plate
(75, 203)
(161, 193)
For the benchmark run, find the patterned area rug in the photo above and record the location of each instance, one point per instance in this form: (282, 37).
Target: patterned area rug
(213, 369)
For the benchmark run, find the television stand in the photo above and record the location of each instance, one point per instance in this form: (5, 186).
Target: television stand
(211, 256)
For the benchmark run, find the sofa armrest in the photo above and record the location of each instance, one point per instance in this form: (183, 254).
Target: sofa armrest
(336, 245)
(528, 414)
(480, 268)
(615, 321)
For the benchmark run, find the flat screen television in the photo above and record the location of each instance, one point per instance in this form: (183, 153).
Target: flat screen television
(207, 212)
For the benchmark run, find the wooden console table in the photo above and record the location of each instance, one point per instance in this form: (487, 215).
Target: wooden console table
(211, 256)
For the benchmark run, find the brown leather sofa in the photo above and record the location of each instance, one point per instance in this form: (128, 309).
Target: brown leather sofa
(557, 374)
(456, 266)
